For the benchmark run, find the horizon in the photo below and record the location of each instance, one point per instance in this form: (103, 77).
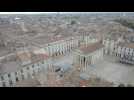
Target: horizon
(25, 13)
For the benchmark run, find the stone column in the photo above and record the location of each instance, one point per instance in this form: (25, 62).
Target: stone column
(60, 49)
(85, 63)
(56, 51)
(69, 45)
(19, 74)
(31, 70)
(80, 61)
(102, 53)
(87, 60)
(66, 46)
(127, 51)
(63, 48)
(50, 50)
(12, 78)
(25, 72)
(58, 45)
(73, 43)
(92, 61)
(53, 49)
(1, 85)
(47, 49)
(6, 79)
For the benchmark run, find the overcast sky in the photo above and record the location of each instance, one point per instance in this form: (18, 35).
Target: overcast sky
(52, 12)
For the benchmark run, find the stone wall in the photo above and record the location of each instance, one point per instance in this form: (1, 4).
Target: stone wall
(9, 79)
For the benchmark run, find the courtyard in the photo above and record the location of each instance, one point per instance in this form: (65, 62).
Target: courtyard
(113, 71)
(109, 69)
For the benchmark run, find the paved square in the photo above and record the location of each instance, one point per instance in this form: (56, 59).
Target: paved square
(113, 71)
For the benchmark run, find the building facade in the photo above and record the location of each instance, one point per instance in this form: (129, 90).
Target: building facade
(121, 49)
(88, 55)
(126, 52)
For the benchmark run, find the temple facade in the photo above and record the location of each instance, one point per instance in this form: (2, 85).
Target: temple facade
(88, 54)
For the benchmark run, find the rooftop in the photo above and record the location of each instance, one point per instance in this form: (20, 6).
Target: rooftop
(86, 49)
(128, 45)
(9, 67)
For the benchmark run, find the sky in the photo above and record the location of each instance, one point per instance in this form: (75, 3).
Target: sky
(52, 12)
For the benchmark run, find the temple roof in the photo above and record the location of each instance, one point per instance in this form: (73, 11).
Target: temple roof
(86, 49)
(127, 45)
